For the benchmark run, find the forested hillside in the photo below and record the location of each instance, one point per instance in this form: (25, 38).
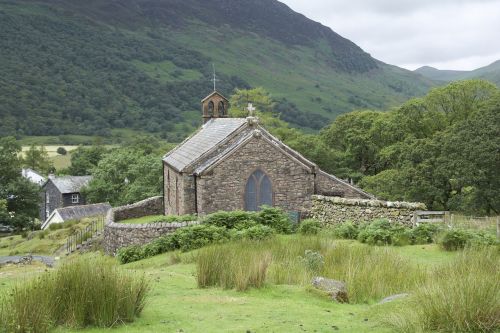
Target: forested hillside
(73, 67)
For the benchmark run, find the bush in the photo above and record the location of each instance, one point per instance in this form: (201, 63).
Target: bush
(198, 236)
(424, 233)
(130, 254)
(309, 227)
(62, 151)
(462, 296)
(383, 232)
(313, 261)
(231, 220)
(185, 239)
(347, 230)
(88, 291)
(257, 232)
(457, 239)
(275, 218)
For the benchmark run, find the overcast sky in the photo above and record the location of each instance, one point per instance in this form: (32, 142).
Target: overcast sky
(446, 34)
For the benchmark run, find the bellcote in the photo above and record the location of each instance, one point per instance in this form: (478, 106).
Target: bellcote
(214, 106)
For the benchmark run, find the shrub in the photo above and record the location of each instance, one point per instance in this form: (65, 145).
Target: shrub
(347, 230)
(424, 233)
(275, 218)
(88, 291)
(62, 151)
(256, 232)
(198, 236)
(313, 261)
(462, 296)
(309, 227)
(383, 232)
(130, 254)
(457, 239)
(230, 220)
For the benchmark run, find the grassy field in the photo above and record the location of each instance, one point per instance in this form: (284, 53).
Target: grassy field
(176, 304)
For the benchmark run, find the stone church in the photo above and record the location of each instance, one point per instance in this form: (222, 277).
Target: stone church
(235, 164)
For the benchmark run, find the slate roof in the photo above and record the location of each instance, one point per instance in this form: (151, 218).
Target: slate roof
(208, 137)
(70, 184)
(79, 212)
(33, 176)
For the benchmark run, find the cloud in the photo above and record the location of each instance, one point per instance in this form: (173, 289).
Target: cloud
(444, 34)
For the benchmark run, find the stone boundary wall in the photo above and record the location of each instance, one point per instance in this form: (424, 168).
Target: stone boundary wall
(151, 206)
(118, 235)
(335, 210)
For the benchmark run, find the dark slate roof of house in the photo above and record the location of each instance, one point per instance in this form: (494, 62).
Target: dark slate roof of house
(208, 137)
(70, 184)
(79, 212)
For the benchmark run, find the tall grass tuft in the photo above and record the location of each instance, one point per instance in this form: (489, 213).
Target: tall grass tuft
(371, 273)
(462, 296)
(88, 291)
(229, 266)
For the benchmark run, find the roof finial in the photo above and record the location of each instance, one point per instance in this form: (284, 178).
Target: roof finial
(250, 109)
(214, 79)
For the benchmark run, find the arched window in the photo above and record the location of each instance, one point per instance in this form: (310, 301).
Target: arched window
(211, 107)
(221, 109)
(258, 191)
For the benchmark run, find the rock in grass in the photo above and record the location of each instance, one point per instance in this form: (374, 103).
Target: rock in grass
(336, 289)
(393, 298)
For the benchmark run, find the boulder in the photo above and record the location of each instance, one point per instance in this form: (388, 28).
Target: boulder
(337, 290)
(393, 298)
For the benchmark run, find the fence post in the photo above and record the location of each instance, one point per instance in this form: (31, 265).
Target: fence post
(498, 227)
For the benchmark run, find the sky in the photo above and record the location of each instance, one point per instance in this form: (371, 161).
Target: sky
(446, 34)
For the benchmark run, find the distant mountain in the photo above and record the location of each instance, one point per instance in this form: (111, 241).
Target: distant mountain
(86, 67)
(490, 72)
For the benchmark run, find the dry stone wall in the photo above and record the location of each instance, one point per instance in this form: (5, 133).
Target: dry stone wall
(335, 210)
(118, 235)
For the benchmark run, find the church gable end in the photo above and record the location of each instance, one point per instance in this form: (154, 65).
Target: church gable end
(257, 170)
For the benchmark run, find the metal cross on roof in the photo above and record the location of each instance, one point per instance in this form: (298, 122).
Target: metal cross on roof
(250, 109)
(214, 79)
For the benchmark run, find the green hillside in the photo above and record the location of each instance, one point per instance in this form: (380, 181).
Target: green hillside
(73, 67)
(490, 73)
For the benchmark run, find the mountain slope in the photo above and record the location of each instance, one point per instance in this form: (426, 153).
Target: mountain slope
(69, 66)
(490, 72)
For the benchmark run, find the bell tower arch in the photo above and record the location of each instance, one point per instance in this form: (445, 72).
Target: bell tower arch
(214, 105)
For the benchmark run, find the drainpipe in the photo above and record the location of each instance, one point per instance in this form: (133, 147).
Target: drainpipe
(163, 187)
(195, 194)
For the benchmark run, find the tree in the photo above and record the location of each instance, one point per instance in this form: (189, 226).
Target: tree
(62, 151)
(18, 196)
(83, 160)
(124, 176)
(37, 159)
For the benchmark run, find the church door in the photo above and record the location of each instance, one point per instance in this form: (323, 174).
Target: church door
(258, 191)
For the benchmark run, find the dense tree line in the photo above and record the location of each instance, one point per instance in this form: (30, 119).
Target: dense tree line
(442, 149)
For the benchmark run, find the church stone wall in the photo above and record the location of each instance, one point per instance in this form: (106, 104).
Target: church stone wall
(179, 192)
(118, 235)
(335, 210)
(330, 186)
(224, 187)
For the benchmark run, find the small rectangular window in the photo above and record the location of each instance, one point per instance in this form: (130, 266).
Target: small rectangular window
(47, 197)
(75, 198)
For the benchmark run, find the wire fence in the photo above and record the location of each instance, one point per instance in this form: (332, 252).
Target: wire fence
(458, 221)
(79, 238)
(484, 223)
